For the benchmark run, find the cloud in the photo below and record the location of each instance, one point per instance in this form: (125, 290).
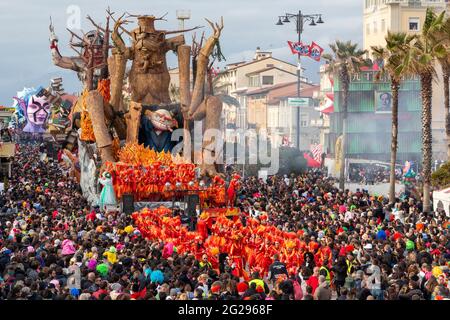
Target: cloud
(248, 24)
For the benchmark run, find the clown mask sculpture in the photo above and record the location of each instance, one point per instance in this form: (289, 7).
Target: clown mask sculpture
(38, 110)
(34, 108)
(163, 120)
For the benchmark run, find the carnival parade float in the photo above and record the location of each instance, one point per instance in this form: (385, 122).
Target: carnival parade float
(124, 121)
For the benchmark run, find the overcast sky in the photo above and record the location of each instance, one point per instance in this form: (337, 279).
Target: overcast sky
(26, 60)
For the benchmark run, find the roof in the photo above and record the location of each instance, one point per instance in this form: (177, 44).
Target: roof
(254, 61)
(279, 94)
(236, 63)
(266, 89)
(266, 69)
(285, 90)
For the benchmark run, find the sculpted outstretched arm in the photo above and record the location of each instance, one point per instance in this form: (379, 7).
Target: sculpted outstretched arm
(71, 63)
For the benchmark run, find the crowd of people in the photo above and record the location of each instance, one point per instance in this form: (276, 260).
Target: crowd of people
(370, 174)
(56, 246)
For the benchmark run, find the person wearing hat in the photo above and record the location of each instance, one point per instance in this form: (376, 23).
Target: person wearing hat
(259, 282)
(410, 246)
(323, 291)
(102, 269)
(215, 290)
(115, 290)
(241, 288)
(111, 255)
(173, 293)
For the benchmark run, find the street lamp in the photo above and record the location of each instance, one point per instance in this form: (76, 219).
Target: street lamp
(300, 19)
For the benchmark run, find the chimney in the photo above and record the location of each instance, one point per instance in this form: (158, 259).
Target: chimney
(261, 54)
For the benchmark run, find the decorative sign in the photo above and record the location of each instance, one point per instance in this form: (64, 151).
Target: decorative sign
(314, 51)
(369, 76)
(215, 212)
(383, 102)
(298, 102)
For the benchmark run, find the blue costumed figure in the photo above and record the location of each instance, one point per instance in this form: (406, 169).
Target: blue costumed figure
(107, 196)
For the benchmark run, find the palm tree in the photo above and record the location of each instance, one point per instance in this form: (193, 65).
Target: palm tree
(392, 57)
(421, 58)
(346, 60)
(442, 36)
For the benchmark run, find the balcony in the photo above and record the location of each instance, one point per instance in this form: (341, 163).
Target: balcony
(418, 3)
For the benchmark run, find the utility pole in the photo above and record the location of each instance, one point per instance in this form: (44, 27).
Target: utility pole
(299, 19)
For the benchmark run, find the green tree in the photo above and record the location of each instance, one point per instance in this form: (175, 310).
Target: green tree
(391, 57)
(421, 58)
(441, 36)
(346, 60)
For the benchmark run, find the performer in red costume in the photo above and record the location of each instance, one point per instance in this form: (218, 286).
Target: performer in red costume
(232, 190)
(202, 229)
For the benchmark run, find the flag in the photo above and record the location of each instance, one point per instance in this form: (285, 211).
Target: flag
(310, 162)
(316, 150)
(315, 51)
(299, 47)
(292, 46)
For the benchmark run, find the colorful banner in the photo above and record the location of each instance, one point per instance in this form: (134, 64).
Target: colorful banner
(299, 47)
(215, 212)
(314, 51)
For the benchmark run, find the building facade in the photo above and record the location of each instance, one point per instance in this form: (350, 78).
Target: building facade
(381, 16)
(239, 78)
(271, 109)
(369, 119)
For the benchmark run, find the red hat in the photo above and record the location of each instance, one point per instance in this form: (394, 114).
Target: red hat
(397, 236)
(215, 289)
(241, 287)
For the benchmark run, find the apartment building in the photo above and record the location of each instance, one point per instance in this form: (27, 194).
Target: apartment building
(381, 16)
(238, 78)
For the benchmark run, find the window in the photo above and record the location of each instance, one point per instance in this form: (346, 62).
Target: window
(254, 81)
(270, 65)
(304, 120)
(267, 80)
(383, 25)
(375, 27)
(368, 29)
(414, 24)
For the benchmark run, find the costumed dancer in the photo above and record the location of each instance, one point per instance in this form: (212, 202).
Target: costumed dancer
(107, 196)
(232, 190)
